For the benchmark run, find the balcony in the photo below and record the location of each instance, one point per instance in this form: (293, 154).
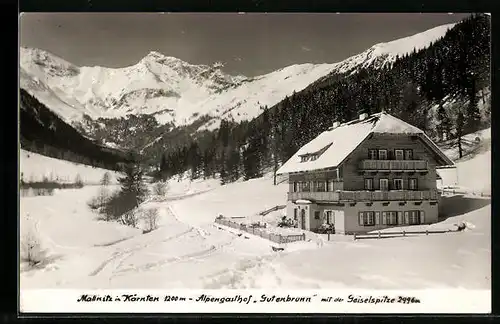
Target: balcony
(393, 166)
(341, 196)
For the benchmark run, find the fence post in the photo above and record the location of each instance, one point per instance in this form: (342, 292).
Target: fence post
(279, 238)
(404, 233)
(328, 236)
(426, 232)
(355, 236)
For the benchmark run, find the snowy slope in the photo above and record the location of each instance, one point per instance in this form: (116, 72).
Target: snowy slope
(35, 167)
(179, 92)
(473, 172)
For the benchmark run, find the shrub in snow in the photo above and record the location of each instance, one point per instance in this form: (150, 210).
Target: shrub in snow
(160, 188)
(286, 222)
(31, 250)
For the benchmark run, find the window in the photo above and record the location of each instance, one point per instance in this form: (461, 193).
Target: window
(412, 184)
(367, 218)
(320, 186)
(398, 154)
(329, 185)
(369, 184)
(384, 184)
(408, 154)
(372, 155)
(414, 217)
(305, 186)
(295, 212)
(316, 214)
(314, 157)
(391, 217)
(398, 184)
(329, 217)
(382, 154)
(303, 158)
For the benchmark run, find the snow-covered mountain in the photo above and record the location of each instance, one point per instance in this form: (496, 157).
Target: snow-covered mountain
(380, 54)
(177, 92)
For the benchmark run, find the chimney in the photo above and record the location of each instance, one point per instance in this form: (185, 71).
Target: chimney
(363, 116)
(336, 124)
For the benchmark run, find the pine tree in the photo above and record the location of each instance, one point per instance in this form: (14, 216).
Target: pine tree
(460, 123)
(132, 185)
(473, 116)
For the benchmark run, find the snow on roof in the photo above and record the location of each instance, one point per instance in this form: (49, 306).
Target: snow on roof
(343, 139)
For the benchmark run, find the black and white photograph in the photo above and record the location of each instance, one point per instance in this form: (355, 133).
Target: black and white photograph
(265, 152)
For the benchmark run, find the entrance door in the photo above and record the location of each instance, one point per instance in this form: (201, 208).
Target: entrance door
(303, 219)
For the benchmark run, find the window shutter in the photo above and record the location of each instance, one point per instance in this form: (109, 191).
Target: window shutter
(377, 218)
(384, 218)
(400, 218)
(361, 218)
(422, 217)
(407, 217)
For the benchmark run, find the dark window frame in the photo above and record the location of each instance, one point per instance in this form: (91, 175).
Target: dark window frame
(394, 183)
(386, 154)
(380, 184)
(391, 215)
(368, 218)
(416, 184)
(412, 216)
(369, 180)
(402, 154)
(405, 154)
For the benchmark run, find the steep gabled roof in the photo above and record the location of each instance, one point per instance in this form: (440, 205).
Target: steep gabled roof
(342, 140)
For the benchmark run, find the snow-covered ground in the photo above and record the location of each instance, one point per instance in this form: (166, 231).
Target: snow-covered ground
(189, 251)
(35, 167)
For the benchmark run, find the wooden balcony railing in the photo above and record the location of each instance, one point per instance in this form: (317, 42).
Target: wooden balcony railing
(400, 195)
(393, 165)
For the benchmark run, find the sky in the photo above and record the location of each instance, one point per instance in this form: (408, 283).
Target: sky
(249, 44)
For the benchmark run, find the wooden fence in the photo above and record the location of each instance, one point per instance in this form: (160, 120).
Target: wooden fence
(262, 232)
(379, 234)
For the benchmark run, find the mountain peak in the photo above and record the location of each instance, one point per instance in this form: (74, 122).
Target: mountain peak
(155, 56)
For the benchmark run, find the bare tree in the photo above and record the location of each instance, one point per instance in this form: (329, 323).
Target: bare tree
(151, 219)
(130, 218)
